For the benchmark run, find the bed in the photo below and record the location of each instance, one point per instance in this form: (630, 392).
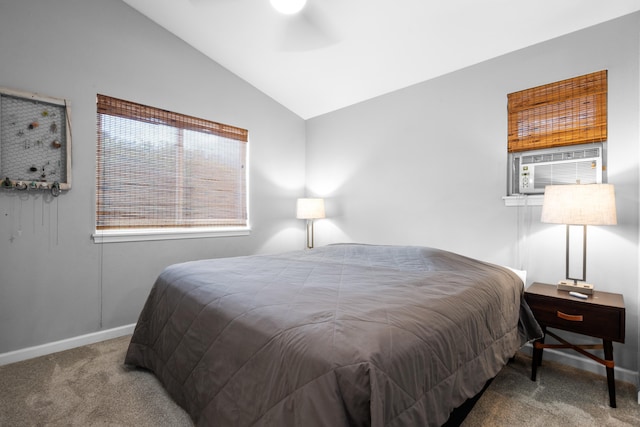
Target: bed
(341, 335)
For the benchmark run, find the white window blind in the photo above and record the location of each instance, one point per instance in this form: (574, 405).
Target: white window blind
(158, 169)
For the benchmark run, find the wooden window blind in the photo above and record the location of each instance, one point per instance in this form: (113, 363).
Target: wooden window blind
(159, 169)
(572, 111)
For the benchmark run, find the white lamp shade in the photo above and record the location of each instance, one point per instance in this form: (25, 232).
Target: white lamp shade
(310, 209)
(579, 204)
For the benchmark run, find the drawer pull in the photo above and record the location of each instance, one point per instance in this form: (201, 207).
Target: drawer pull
(570, 317)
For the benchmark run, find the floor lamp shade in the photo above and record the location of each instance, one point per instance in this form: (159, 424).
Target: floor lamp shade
(579, 205)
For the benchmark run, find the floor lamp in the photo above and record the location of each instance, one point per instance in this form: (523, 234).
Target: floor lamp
(310, 209)
(578, 205)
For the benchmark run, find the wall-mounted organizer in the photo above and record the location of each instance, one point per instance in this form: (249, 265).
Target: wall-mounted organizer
(35, 142)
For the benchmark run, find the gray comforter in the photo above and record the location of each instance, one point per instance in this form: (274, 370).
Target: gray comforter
(335, 336)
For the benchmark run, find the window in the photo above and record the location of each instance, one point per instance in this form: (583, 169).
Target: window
(557, 134)
(568, 112)
(163, 171)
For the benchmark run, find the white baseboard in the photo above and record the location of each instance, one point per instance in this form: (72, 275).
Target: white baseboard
(66, 344)
(576, 361)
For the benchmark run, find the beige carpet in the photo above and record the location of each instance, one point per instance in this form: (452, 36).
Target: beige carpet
(562, 396)
(89, 386)
(86, 386)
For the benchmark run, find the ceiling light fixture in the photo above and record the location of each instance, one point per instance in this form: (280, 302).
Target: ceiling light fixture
(288, 7)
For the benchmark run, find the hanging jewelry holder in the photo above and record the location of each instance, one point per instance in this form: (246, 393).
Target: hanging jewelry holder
(35, 142)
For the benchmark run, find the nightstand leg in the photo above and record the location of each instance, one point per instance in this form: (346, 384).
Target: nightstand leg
(534, 365)
(611, 382)
(536, 359)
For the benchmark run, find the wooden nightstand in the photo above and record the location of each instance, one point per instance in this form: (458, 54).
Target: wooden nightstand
(602, 315)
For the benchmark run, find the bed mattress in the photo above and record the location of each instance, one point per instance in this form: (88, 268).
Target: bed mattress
(341, 335)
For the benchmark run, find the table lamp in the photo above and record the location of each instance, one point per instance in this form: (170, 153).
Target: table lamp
(578, 205)
(310, 209)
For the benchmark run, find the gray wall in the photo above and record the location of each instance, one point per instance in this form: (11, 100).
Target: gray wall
(427, 166)
(55, 283)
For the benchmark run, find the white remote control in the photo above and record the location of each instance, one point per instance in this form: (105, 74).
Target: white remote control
(578, 295)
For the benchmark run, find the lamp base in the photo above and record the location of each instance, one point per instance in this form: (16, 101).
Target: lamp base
(571, 286)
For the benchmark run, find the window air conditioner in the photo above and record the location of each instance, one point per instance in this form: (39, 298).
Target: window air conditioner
(576, 164)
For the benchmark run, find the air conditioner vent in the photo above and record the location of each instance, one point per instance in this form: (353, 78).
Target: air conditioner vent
(588, 153)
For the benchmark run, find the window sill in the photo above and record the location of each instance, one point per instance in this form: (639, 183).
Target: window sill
(117, 236)
(523, 200)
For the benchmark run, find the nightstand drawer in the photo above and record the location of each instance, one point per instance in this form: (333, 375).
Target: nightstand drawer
(587, 319)
(601, 315)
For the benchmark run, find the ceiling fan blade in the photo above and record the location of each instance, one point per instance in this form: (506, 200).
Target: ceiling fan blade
(308, 30)
(208, 2)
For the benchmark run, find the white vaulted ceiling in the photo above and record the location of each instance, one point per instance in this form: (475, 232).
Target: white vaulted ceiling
(336, 53)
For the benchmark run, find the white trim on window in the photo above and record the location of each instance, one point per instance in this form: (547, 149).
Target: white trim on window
(523, 200)
(140, 235)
